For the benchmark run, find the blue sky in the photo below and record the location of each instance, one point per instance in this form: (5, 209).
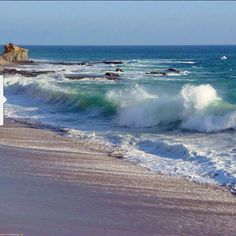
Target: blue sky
(118, 23)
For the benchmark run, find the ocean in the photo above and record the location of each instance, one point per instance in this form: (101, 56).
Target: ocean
(172, 110)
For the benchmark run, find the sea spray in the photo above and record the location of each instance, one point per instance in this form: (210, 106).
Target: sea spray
(138, 108)
(197, 108)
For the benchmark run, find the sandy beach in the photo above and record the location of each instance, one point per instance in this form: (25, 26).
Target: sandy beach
(55, 185)
(119, 118)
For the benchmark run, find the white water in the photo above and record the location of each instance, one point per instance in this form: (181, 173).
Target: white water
(154, 128)
(198, 108)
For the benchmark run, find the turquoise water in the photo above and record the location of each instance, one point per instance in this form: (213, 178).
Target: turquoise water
(182, 123)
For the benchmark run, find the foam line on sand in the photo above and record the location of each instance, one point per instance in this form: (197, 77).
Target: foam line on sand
(55, 185)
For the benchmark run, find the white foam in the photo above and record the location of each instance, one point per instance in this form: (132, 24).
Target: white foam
(194, 156)
(199, 108)
(223, 58)
(195, 106)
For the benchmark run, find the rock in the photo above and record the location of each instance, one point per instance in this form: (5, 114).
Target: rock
(108, 76)
(71, 63)
(157, 73)
(12, 53)
(81, 76)
(164, 73)
(113, 62)
(116, 154)
(173, 70)
(2, 62)
(112, 74)
(9, 71)
(119, 70)
(30, 62)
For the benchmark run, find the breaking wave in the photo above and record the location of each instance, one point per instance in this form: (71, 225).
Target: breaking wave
(196, 108)
(45, 92)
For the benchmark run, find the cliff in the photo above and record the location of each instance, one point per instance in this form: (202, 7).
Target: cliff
(13, 53)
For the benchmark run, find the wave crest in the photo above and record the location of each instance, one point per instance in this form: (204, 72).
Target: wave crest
(197, 108)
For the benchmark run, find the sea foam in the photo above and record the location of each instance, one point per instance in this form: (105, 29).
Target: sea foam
(197, 108)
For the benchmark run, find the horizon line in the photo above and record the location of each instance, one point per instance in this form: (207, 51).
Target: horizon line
(120, 45)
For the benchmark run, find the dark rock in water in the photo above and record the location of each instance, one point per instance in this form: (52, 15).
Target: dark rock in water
(113, 62)
(173, 70)
(112, 77)
(71, 63)
(164, 73)
(119, 70)
(157, 73)
(112, 74)
(30, 62)
(12, 53)
(81, 76)
(107, 76)
(33, 73)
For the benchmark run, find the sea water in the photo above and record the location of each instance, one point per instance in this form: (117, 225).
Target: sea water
(182, 123)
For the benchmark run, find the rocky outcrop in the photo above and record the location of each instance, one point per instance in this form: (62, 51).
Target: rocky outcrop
(25, 73)
(12, 53)
(2, 62)
(165, 73)
(108, 76)
(71, 63)
(111, 74)
(112, 62)
(119, 70)
(169, 70)
(157, 73)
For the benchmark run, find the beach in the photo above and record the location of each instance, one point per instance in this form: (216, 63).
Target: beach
(119, 118)
(56, 185)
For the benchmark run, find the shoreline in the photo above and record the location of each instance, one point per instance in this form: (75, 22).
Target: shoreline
(57, 185)
(93, 146)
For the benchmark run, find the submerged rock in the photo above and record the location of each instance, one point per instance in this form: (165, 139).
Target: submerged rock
(12, 53)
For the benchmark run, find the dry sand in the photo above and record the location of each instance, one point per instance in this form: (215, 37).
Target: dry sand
(54, 185)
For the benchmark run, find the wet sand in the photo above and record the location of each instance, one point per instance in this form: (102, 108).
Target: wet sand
(54, 185)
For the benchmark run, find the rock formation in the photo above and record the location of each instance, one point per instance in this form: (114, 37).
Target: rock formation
(108, 76)
(119, 70)
(164, 73)
(12, 53)
(25, 73)
(2, 62)
(113, 62)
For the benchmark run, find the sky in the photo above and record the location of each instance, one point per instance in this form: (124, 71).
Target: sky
(118, 23)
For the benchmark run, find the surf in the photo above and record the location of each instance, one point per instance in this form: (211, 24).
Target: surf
(195, 107)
